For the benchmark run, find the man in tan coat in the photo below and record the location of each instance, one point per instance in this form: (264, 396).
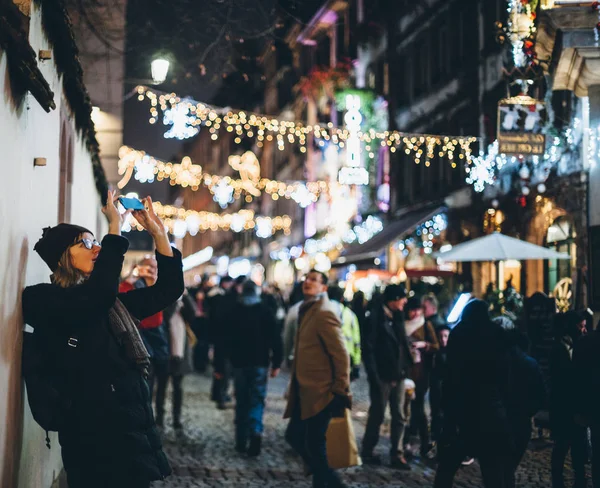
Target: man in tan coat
(320, 384)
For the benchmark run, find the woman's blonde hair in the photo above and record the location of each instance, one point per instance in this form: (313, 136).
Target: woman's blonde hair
(66, 275)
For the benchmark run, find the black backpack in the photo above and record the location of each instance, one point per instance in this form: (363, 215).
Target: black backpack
(47, 392)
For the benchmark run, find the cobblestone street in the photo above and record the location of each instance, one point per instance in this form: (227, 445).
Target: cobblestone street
(204, 454)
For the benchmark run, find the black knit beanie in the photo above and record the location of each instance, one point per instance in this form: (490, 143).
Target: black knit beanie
(55, 240)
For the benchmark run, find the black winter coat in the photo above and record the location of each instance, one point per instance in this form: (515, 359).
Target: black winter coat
(475, 384)
(386, 353)
(112, 438)
(586, 366)
(252, 338)
(562, 384)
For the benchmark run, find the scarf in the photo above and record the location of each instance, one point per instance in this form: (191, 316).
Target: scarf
(125, 329)
(306, 304)
(413, 325)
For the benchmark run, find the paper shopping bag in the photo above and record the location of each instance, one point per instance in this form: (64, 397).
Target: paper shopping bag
(342, 451)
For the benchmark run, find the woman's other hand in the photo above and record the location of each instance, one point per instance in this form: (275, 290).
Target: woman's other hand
(115, 218)
(151, 222)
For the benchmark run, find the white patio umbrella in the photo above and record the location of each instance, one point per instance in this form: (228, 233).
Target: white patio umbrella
(498, 247)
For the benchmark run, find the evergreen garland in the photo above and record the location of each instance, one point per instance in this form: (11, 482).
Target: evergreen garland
(58, 28)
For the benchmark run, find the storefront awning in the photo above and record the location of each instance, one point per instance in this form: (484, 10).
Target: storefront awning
(373, 248)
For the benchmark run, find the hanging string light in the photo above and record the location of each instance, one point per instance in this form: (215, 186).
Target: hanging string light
(179, 222)
(224, 189)
(186, 121)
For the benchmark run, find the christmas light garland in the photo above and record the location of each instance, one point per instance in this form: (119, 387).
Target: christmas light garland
(224, 189)
(484, 169)
(186, 116)
(179, 222)
(521, 30)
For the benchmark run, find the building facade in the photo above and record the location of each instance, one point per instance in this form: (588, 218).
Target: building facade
(53, 174)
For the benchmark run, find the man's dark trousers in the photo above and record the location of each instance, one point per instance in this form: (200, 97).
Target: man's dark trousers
(308, 438)
(382, 393)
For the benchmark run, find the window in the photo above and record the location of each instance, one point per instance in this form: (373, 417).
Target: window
(444, 52)
(560, 238)
(405, 71)
(307, 59)
(66, 172)
(341, 39)
(421, 66)
(324, 51)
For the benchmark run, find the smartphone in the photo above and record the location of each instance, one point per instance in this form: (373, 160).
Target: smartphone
(131, 203)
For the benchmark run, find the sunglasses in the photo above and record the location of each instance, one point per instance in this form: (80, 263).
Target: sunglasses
(88, 243)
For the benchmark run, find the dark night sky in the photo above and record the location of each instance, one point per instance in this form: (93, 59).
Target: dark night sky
(203, 41)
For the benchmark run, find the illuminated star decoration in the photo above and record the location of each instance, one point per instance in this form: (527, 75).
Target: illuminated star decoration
(248, 167)
(181, 122)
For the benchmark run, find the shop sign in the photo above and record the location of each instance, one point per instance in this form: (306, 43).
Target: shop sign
(353, 173)
(520, 123)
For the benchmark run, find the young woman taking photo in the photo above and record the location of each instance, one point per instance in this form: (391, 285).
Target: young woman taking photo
(109, 437)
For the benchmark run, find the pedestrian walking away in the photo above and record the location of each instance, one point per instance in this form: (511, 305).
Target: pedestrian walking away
(566, 388)
(474, 399)
(95, 360)
(587, 392)
(218, 305)
(253, 344)
(387, 358)
(320, 380)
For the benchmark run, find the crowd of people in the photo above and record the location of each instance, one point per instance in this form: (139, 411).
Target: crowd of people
(105, 348)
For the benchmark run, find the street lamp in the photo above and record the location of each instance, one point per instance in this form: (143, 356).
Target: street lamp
(160, 68)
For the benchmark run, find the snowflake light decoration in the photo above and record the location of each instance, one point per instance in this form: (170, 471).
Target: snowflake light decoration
(264, 227)
(144, 169)
(222, 193)
(483, 168)
(181, 122)
(302, 196)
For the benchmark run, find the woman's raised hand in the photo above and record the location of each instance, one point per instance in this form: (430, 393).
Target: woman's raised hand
(115, 218)
(149, 220)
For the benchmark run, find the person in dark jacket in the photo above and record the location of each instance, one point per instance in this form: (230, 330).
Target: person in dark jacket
(387, 359)
(110, 440)
(567, 433)
(178, 318)
(474, 392)
(587, 392)
(525, 394)
(218, 303)
(435, 382)
(359, 307)
(424, 344)
(252, 344)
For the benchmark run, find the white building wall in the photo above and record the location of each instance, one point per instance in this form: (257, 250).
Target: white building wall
(29, 202)
(103, 62)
